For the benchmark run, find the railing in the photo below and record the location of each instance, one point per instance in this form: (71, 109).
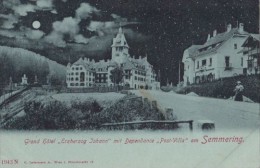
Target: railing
(228, 66)
(153, 124)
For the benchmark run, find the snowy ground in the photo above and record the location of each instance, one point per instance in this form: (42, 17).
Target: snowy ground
(110, 97)
(226, 114)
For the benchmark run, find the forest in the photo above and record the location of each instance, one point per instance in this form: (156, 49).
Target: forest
(15, 62)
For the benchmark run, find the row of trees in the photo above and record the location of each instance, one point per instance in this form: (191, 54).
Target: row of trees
(17, 62)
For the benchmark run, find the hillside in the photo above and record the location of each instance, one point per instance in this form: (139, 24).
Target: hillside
(14, 62)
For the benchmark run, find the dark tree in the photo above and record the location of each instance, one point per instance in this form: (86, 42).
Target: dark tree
(116, 75)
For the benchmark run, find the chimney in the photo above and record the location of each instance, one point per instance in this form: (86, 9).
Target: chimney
(229, 27)
(241, 27)
(214, 33)
(208, 37)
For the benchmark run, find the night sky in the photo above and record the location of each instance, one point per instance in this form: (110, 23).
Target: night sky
(162, 29)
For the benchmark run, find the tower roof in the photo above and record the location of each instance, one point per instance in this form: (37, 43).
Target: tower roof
(120, 40)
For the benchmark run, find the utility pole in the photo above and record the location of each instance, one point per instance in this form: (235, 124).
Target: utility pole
(179, 72)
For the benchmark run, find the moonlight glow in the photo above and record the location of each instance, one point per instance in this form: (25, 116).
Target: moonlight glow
(36, 24)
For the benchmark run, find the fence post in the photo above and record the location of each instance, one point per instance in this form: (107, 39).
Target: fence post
(169, 113)
(145, 101)
(153, 104)
(191, 125)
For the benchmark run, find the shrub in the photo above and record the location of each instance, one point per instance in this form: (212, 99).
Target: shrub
(224, 88)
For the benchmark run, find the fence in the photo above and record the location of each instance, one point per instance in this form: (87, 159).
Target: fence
(153, 124)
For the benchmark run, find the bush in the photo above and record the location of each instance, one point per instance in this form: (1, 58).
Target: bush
(224, 88)
(127, 110)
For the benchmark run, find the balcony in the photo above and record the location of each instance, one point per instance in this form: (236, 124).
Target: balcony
(228, 66)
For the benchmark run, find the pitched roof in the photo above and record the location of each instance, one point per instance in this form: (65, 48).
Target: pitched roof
(193, 50)
(84, 63)
(120, 39)
(214, 43)
(256, 36)
(133, 64)
(104, 64)
(252, 40)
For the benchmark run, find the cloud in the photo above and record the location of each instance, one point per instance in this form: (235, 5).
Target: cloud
(68, 25)
(118, 18)
(56, 39)
(33, 34)
(8, 21)
(81, 39)
(44, 3)
(23, 33)
(85, 11)
(22, 10)
(97, 25)
(11, 3)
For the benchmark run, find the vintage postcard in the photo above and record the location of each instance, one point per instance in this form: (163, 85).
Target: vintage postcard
(129, 84)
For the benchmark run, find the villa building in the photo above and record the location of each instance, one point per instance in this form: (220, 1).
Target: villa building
(217, 58)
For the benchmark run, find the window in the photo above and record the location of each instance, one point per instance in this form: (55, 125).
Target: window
(76, 79)
(72, 79)
(82, 77)
(242, 61)
(77, 68)
(77, 73)
(80, 68)
(72, 84)
(235, 46)
(198, 64)
(227, 61)
(135, 78)
(204, 62)
(210, 61)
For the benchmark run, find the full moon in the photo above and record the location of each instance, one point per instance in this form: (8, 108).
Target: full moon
(36, 24)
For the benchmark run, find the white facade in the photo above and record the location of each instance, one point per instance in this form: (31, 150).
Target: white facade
(217, 58)
(251, 55)
(138, 73)
(24, 80)
(120, 48)
(80, 74)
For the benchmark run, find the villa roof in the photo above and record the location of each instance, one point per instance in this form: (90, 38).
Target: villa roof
(82, 62)
(214, 43)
